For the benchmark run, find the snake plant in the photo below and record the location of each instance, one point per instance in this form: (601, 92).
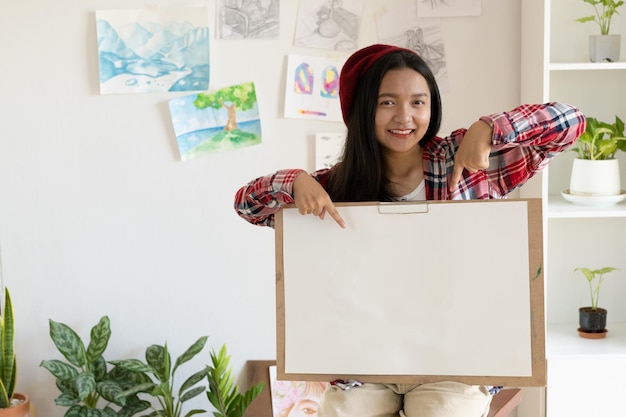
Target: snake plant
(8, 365)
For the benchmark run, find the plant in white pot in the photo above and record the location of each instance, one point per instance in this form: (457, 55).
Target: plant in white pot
(604, 47)
(592, 319)
(595, 176)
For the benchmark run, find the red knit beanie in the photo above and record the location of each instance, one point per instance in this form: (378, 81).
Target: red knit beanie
(354, 68)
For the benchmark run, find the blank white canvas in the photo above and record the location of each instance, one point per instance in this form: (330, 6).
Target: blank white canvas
(440, 290)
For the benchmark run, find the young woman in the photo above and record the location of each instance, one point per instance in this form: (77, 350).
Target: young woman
(391, 105)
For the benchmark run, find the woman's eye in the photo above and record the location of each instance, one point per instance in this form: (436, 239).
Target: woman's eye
(386, 103)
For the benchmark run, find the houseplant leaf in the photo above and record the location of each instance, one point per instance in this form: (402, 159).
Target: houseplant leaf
(100, 335)
(68, 343)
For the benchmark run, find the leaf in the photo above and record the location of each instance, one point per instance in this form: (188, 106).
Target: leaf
(134, 365)
(8, 354)
(194, 379)
(192, 351)
(194, 412)
(68, 343)
(66, 386)
(159, 359)
(100, 335)
(85, 385)
(147, 387)
(66, 400)
(132, 407)
(59, 369)
(99, 368)
(192, 393)
(109, 390)
(76, 411)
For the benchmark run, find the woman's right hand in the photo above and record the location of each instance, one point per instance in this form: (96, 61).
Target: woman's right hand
(311, 198)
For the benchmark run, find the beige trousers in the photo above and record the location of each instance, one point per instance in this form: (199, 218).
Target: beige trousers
(438, 399)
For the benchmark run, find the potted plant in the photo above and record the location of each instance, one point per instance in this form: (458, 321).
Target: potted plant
(223, 393)
(88, 387)
(604, 47)
(11, 403)
(592, 319)
(595, 176)
(156, 379)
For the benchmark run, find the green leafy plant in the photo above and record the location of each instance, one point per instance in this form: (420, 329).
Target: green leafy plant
(8, 364)
(223, 394)
(87, 386)
(591, 275)
(601, 140)
(158, 377)
(604, 11)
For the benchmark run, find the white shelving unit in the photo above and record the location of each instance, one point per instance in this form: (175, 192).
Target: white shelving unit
(585, 377)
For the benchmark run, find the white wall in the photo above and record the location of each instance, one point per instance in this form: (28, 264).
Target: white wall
(98, 215)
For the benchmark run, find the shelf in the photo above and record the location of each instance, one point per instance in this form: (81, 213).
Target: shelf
(563, 340)
(584, 66)
(559, 208)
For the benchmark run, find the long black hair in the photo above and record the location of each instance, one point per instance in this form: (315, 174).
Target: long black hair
(360, 176)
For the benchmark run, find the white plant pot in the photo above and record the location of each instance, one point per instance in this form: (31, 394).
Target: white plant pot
(595, 178)
(604, 48)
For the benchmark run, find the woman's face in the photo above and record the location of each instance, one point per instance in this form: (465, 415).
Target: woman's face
(402, 111)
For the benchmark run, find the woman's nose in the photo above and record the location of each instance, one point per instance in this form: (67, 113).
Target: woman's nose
(403, 114)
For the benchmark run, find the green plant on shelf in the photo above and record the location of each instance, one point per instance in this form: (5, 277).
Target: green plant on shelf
(601, 140)
(591, 275)
(604, 11)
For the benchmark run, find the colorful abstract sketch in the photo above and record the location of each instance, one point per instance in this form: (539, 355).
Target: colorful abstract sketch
(312, 89)
(153, 50)
(215, 121)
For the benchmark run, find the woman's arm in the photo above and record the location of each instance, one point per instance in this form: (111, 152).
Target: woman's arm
(257, 201)
(523, 141)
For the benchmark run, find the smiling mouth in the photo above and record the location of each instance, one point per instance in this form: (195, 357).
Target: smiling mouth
(401, 131)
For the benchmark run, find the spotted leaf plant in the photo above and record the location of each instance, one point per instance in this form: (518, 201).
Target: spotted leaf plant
(88, 387)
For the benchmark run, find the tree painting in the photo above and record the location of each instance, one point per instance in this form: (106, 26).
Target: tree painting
(220, 120)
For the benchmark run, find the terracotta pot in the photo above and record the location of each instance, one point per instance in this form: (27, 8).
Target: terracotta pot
(21, 410)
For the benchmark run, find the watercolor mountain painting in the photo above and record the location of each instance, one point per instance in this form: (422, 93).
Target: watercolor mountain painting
(153, 50)
(216, 121)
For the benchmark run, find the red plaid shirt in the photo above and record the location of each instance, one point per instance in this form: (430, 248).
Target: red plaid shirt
(524, 141)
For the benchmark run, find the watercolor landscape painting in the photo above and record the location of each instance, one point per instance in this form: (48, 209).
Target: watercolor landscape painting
(216, 121)
(153, 50)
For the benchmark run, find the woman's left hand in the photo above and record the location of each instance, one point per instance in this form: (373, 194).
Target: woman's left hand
(473, 152)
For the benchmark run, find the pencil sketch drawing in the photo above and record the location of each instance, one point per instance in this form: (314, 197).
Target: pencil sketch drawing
(448, 8)
(215, 121)
(329, 24)
(401, 27)
(248, 19)
(153, 50)
(328, 149)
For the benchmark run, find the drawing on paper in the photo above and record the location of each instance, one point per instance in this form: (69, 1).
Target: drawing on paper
(448, 8)
(215, 121)
(312, 88)
(153, 50)
(400, 27)
(295, 398)
(248, 19)
(328, 149)
(329, 24)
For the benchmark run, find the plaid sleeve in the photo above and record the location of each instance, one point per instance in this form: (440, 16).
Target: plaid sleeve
(257, 201)
(526, 138)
